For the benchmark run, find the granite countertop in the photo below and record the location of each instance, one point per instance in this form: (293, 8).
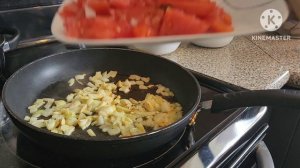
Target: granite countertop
(241, 63)
(286, 53)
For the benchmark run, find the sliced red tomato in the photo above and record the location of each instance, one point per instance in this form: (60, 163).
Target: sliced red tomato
(144, 3)
(80, 3)
(99, 28)
(123, 29)
(176, 22)
(72, 10)
(219, 21)
(72, 27)
(200, 8)
(99, 6)
(69, 10)
(120, 3)
(143, 30)
(141, 19)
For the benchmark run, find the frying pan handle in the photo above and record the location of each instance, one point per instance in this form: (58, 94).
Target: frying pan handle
(6, 45)
(12, 43)
(275, 98)
(2, 66)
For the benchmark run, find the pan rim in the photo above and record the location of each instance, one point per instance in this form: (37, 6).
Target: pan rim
(121, 139)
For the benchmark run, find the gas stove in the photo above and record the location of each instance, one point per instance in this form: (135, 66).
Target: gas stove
(226, 139)
(215, 140)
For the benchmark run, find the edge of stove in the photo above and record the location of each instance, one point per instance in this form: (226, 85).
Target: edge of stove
(213, 147)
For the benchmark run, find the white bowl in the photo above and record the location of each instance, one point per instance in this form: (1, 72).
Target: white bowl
(156, 48)
(214, 42)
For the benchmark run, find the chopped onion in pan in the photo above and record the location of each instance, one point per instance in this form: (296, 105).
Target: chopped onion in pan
(99, 105)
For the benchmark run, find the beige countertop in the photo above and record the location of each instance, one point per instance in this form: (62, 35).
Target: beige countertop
(241, 63)
(286, 53)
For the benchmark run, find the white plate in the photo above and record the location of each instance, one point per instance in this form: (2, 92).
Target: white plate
(157, 48)
(245, 15)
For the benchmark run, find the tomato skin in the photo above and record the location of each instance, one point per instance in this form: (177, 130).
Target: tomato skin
(176, 22)
(123, 30)
(99, 6)
(120, 3)
(80, 3)
(99, 28)
(145, 3)
(143, 30)
(200, 8)
(219, 21)
(69, 10)
(72, 28)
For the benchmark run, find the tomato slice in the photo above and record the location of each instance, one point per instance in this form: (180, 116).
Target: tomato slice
(99, 28)
(72, 27)
(80, 3)
(143, 30)
(142, 20)
(69, 10)
(123, 29)
(99, 6)
(144, 3)
(200, 8)
(120, 3)
(219, 21)
(176, 22)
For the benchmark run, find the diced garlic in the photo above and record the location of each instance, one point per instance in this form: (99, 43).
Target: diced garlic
(37, 123)
(80, 77)
(51, 124)
(54, 131)
(143, 87)
(112, 74)
(67, 130)
(132, 82)
(60, 103)
(84, 123)
(70, 97)
(134, 77)
(72, 121)
(47, 112)
(139, 82)
(145, 79)
(98, 104)
(37, 113)
(71, 82)
(114, 131)
(91, 133)
(27, 118)
(49, 102)
(63, 121)
(150, 86)
(165, 107)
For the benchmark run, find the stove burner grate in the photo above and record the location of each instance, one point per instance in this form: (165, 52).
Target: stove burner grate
(30, 152)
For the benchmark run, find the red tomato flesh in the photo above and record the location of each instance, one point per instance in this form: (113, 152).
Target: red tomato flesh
(200, 8)
(142, 18)
(176, 22)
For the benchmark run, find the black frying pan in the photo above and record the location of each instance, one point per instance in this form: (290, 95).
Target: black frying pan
(47, 77)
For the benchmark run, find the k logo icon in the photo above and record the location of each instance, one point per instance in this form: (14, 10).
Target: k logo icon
(271, 19)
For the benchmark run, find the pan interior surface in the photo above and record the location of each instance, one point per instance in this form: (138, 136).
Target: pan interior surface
(48, 77)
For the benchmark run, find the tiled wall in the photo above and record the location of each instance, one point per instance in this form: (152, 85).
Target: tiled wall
(16, 4)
